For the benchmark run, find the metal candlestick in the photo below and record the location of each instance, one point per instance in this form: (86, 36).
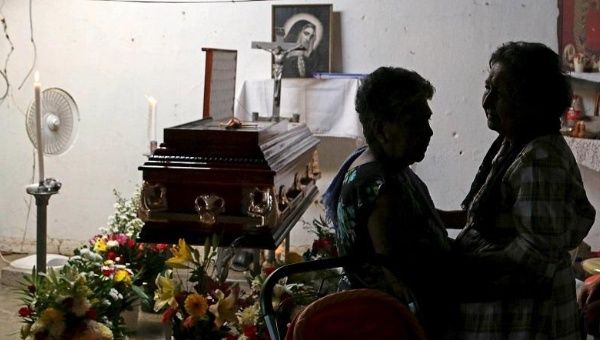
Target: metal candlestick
(42, 193)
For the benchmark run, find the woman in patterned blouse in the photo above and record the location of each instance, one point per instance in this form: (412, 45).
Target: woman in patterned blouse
(380, 206)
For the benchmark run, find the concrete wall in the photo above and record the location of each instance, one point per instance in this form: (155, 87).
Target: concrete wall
(110, 54)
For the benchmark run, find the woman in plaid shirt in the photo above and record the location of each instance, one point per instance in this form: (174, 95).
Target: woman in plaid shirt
(527, 206)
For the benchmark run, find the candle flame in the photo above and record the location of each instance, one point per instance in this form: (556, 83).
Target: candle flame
(151, 100)
(36, 76)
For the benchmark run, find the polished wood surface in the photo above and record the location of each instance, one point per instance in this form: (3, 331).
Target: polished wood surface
(205, 158)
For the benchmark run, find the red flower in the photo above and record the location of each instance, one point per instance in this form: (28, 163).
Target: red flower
(25, 311)
(121, 238)
(249, 330)
(111, 255)
(131, 243)
(106, 271)
(168, 315)
(268, 270)
(161, 246)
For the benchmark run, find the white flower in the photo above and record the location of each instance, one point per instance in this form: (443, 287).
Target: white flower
(248, 315)
(112, 244)
(115, 295)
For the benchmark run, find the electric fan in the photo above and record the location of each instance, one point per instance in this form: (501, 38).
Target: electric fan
(60, 118)
(57, 129)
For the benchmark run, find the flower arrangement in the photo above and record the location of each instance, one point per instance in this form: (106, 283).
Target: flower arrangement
(82, 300)
(201, 307)
(203, 311)
(287, 298)
(117, 244)
(324, 245)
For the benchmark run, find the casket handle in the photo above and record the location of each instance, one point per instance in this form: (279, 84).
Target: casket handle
(208, 206)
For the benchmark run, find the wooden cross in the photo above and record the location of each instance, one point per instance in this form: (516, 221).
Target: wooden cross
(279, 49)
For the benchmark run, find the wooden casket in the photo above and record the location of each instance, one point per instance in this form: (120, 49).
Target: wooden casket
(249, 184)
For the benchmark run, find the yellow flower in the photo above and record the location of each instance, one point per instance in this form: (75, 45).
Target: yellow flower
(54, 321)
(224, 309)
(182, 254)
(166, 290)
(196, 305)
(122, 275)
(100, 245)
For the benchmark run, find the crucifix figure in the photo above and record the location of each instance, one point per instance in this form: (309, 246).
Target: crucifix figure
(279, 49)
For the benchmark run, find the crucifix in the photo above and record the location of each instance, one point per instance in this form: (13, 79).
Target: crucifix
(279, 49)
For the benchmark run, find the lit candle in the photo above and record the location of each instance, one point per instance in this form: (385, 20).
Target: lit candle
(152, 117)
(37, 88)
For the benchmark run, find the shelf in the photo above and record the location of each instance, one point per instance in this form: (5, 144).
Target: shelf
(587, 76)
(586, 151)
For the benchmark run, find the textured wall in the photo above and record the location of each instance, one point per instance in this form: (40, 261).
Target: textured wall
(108, 55)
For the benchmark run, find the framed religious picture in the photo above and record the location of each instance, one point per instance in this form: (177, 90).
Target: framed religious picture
(309, 27)
(579, 34)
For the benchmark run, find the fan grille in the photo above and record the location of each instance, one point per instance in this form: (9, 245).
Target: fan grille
(59, 121)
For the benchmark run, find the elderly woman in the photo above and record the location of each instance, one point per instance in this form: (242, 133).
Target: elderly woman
(527, 206)
(380, 206)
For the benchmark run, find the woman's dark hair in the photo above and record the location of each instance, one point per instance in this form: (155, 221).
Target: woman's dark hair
(383, 96)
(538, 83)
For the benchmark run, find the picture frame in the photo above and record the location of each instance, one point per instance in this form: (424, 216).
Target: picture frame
(310, 27)
(579, 34)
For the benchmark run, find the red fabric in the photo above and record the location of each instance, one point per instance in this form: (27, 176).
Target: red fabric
(355, 314)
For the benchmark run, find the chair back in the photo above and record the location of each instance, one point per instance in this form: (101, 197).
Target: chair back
(356, 314)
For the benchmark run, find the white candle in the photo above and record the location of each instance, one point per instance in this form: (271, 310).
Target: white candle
(37, 89)
(152, 117)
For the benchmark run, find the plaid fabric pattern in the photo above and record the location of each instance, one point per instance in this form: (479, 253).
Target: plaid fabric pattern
(545, 203)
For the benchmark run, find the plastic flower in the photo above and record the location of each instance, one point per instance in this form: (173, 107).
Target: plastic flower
(122, 275)
(25, 311)
(224, 309)
(100, 245)
(112, 244)
(166, 290)
(182, 254)
(168, 315)
(248, 315)
(196, 305)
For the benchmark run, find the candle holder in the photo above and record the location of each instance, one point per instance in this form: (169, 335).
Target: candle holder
(42, 193)
(153, 146)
